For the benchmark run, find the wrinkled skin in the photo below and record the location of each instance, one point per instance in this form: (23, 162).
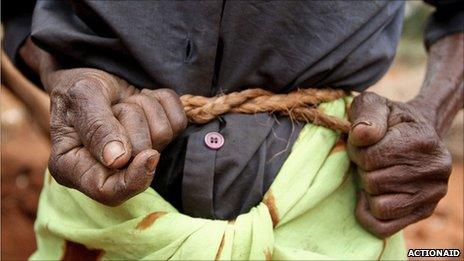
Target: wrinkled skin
(106, 137)
(403, 165)
(105, 134)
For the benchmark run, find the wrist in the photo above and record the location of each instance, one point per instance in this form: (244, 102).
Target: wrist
(426, 108)
(442, 93)
(440, 110)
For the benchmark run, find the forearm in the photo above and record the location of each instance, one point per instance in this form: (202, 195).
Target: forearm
(40, 61)
(442, 93)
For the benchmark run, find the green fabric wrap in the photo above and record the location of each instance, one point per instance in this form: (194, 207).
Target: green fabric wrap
(308, 213)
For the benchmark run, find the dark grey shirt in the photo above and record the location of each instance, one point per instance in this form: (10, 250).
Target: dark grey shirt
(208, 47)
(211, 47)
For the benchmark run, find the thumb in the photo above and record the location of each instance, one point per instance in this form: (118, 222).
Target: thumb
(127, 183)
(93, 119)
(368, 115)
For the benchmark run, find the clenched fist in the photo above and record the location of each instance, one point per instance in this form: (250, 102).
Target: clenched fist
(106, 135)
(402, 163)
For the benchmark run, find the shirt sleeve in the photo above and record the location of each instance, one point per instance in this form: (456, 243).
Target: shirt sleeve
(16, 20)
(447, 19)
(17, 25)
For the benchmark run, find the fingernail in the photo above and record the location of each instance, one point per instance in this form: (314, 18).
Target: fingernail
(368, 123)
(112, 151)
(151, 163)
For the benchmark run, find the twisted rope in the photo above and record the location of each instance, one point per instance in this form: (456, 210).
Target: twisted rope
(300, 105)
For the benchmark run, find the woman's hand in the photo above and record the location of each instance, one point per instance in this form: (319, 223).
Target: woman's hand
(402, 163)
(105, 134)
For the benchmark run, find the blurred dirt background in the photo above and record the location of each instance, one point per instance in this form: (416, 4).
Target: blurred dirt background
(24, 155)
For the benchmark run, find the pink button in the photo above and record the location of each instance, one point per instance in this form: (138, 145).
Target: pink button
(214, 140)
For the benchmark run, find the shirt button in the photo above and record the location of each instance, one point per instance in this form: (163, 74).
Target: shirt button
(214, 140)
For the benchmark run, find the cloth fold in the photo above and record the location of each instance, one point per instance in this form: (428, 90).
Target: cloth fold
(308, 213)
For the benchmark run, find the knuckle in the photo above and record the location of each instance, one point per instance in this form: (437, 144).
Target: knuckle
(167, 93)
(446, 164)
(382, 231)
(426, 211)
(118, 193)
(139, 100)
(58, 96)
(162, 135)
(139, 97)
(381, 209)
(363, 159)
(443, 172)
(370, 183)
(58, 104)
(368, 160)
(442, 191)
(386, 230)
(180, 122)
(119, 109)
(420, 197)
(439, 165)
(426, 141)
(366, 98)
(127, 109)
(57, 172)
(79, 90)
(109, 198)
(106, 199)
(96, 132)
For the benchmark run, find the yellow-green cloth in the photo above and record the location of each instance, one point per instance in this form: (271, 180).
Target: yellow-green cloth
(308, 213)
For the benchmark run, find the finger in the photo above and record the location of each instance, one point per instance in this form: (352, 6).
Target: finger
(172, 106)
(133, 119)
(391, 206)
(392, 149)
(161, 132)
(403, 144)
(370, 158)
(127, 183)
(397, 205)
(401, 113)
(64, 140)
(369, 115)
(395, 179)
(100, 183)
(386, 228)
(93, 119)
(62, 136)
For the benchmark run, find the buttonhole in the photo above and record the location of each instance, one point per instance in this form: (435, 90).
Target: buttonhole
(222, 122)
(188, 50)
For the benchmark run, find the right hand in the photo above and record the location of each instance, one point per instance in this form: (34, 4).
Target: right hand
(105, 134)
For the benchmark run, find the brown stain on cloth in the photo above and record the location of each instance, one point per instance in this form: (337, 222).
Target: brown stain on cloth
(148, 220)
(75, 252)
(221, 246)
(269, 201)
(267, 255)
(339, 146)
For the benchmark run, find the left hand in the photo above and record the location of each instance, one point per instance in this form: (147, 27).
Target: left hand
(402, 163)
